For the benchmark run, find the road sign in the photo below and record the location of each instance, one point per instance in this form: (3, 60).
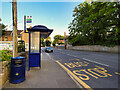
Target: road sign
(27, 22)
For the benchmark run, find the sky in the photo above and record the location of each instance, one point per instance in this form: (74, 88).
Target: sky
(55, 15)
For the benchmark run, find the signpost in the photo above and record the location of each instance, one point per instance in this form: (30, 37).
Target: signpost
(27, 23)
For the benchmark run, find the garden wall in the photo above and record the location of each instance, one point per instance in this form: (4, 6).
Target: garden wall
(4, 73)
(96, 48)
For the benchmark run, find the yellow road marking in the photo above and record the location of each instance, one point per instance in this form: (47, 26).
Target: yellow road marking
(117, 73)
(79, 80)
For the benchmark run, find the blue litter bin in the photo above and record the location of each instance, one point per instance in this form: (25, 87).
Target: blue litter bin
(17, 70)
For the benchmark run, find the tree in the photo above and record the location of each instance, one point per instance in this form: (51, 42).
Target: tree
(42, 42)
(48, 38)
(48, 43)
(58, 37)
(2, 27)
(54, 43)
(95, 24)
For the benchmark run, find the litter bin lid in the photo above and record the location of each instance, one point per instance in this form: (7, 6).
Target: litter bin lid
(17, 58)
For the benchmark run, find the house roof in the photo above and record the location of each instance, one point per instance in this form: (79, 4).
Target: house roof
(9, 32)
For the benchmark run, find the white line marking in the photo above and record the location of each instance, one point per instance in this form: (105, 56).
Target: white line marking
(73, 55)
(96, 62)
(87, 59)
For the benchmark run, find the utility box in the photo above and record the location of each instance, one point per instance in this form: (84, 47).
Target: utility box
(17, 70)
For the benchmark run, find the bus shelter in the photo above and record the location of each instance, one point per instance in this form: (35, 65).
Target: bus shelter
(35, 34)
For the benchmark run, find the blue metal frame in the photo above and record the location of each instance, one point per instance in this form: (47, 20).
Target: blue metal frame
(34, 58)
(40, 49)
(29, 50)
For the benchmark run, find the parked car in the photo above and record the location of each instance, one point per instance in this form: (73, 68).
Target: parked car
(48, 49)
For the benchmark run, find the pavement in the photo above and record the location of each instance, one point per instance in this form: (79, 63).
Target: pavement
(51, 75)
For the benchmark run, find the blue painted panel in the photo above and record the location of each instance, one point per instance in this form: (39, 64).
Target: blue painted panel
(34, 60)
(29, 21)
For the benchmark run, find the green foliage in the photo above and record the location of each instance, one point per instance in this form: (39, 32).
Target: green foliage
(42, 42)
(57, 37)
(6, 55)
(97, 23)
(48, 38)
(54, 43)
(2, 26)
(48, 43)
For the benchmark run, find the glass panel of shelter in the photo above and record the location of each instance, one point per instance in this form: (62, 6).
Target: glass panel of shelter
(35, 41)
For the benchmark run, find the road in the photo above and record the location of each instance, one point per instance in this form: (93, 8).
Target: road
(91, 69)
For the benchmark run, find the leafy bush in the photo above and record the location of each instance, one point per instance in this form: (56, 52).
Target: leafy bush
(6, 55)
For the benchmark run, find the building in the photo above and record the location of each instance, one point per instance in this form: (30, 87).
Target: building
(25, 38)
(61, 41)
(8, 36)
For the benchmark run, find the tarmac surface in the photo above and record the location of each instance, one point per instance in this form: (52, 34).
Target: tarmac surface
(51, 75)
(91, 69)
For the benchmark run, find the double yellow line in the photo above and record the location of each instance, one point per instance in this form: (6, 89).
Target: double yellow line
(80, 81)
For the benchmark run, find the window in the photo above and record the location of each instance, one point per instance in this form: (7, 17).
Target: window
(35, 41)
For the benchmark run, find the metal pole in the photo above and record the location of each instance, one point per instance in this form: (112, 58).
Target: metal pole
(24, 24)
(15, 28)
(65, 39)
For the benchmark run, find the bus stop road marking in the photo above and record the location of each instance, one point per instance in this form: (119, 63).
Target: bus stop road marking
(79, 80)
